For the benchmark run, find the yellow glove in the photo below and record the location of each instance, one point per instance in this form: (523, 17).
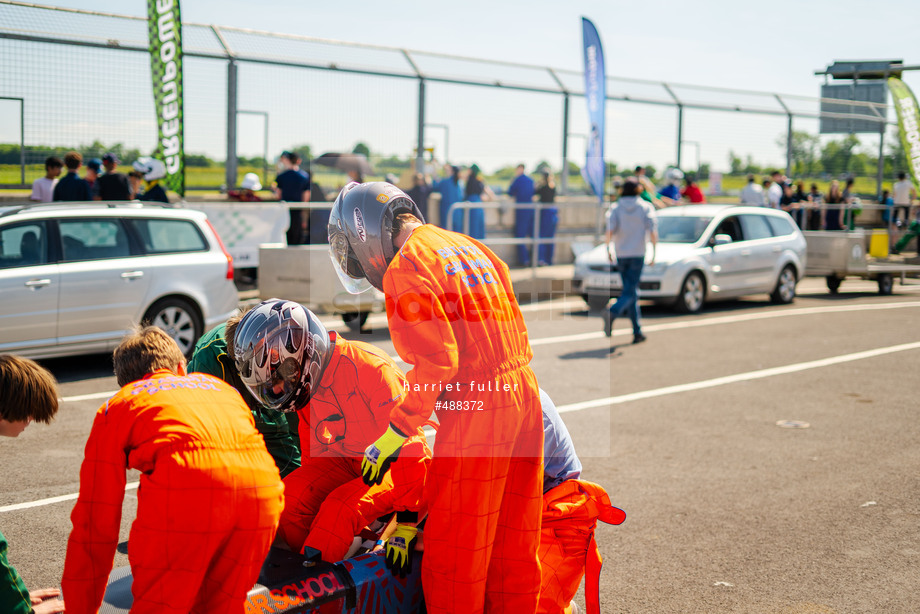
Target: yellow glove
(380, 455)
(400, 547)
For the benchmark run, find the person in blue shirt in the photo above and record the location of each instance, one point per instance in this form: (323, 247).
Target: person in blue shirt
(476, 192)
(670, 192)
(522, 191)
(451, 192)
(560, 463)
(72, 187)
(293, 186)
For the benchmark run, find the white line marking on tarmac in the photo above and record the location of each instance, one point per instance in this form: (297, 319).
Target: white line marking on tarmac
(779, 313)
(738, 377)
(635, 396)
(51, 500)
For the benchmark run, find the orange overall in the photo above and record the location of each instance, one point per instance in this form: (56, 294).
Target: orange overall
(453, 314)
(326, 501)
(208, 505)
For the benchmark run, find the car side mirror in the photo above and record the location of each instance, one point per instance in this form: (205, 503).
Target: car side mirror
(720, 239)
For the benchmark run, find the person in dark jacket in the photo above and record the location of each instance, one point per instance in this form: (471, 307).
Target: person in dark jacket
(72, 188)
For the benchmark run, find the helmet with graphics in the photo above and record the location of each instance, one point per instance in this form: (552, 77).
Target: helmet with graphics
(674, 176)
(281, 350)
(361, 232)
(151, 168)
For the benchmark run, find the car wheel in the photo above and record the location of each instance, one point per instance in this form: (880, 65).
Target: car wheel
(180, 319)
(595, 302)
(692, 293)
(885, 284)
(785, 287)
(355, 320)
(833, 283)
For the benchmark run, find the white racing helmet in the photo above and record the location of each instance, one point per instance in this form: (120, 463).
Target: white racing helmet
(150, 167)
(361, 232)
(281, 351)
(674, 176)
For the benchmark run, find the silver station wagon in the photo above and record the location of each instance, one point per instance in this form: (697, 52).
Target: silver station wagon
(74, 277)
(706, 253)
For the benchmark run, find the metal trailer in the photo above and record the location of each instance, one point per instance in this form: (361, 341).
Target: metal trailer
(836, 255)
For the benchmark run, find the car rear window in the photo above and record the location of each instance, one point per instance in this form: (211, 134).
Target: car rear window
(781, 226)
(756, 227)
(23, 245)
(169, 236)
(93, 239)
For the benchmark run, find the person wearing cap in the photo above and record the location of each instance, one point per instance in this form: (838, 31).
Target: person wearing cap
(93, 170)
(248, 189)
(293, 186)
(112, 185)
(153, 171)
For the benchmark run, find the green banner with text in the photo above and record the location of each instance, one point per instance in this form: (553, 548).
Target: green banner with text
(909, 124)
(165, 31)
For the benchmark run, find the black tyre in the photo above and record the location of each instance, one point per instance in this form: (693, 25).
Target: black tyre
(355, 320)
(833, 283)
(885, 284)
(784, 293)
(180, 319)
(596, 302)
(692, 293)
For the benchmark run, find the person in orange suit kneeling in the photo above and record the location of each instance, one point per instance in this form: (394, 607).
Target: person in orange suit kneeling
(452, 313)
(343, 392)
(210, 495)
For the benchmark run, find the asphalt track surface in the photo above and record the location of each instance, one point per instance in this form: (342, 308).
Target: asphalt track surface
(726, 510)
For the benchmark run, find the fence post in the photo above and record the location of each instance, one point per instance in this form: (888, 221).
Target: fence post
(564, 179)
(22, 141)
(231, 169)
(880, 175)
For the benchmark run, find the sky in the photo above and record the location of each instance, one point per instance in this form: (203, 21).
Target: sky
(773, 46)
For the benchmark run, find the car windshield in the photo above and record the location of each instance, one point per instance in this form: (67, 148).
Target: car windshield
(681, 228)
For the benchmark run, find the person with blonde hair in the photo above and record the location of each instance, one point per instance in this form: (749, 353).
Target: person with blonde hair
(210, 495)
(28, 392)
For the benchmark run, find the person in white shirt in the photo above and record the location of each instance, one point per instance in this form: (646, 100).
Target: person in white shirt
(775, 192)
(752, 194)
(904, 193)
(43, 187)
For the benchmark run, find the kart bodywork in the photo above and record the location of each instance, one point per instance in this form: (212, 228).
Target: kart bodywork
(360, 585)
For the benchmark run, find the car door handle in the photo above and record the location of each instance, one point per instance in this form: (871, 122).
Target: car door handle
(745, 252)
(132, 274)
(777, 249)
(38, 283)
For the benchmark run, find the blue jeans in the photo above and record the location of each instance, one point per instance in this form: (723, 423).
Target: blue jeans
(549, 219)
(523, 227)
(630, 272)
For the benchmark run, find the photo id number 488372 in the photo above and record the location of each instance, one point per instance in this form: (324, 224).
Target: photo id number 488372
(459, 405)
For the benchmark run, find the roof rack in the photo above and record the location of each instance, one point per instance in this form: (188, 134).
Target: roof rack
(134, 204)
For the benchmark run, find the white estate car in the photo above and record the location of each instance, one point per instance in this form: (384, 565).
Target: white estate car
(706, 252)
(74, 277)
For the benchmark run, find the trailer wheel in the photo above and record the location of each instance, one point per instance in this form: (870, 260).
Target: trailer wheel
(833, 283)
(885, 284)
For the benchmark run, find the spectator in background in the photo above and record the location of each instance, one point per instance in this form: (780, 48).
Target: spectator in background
(476, 192)
(451, 192)
(93, 170)
(775, 192)
(153, 170)
(72, 188)
(669, 194)
(293, 186)
(43, 187)
(522, 191)
(815, 201)
(904, 193)
(134, 182)
(849, 201)
(419, 193)
(319, 218)
(112, 185)
(549, 218)
(752, 193)
(832, 218)
(692, 192)
(248, 188)
(790, 204)
(888, 201)
(630, 223)
(765, 188)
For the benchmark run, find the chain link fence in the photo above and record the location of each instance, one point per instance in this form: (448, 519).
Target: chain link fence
(72, 79)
